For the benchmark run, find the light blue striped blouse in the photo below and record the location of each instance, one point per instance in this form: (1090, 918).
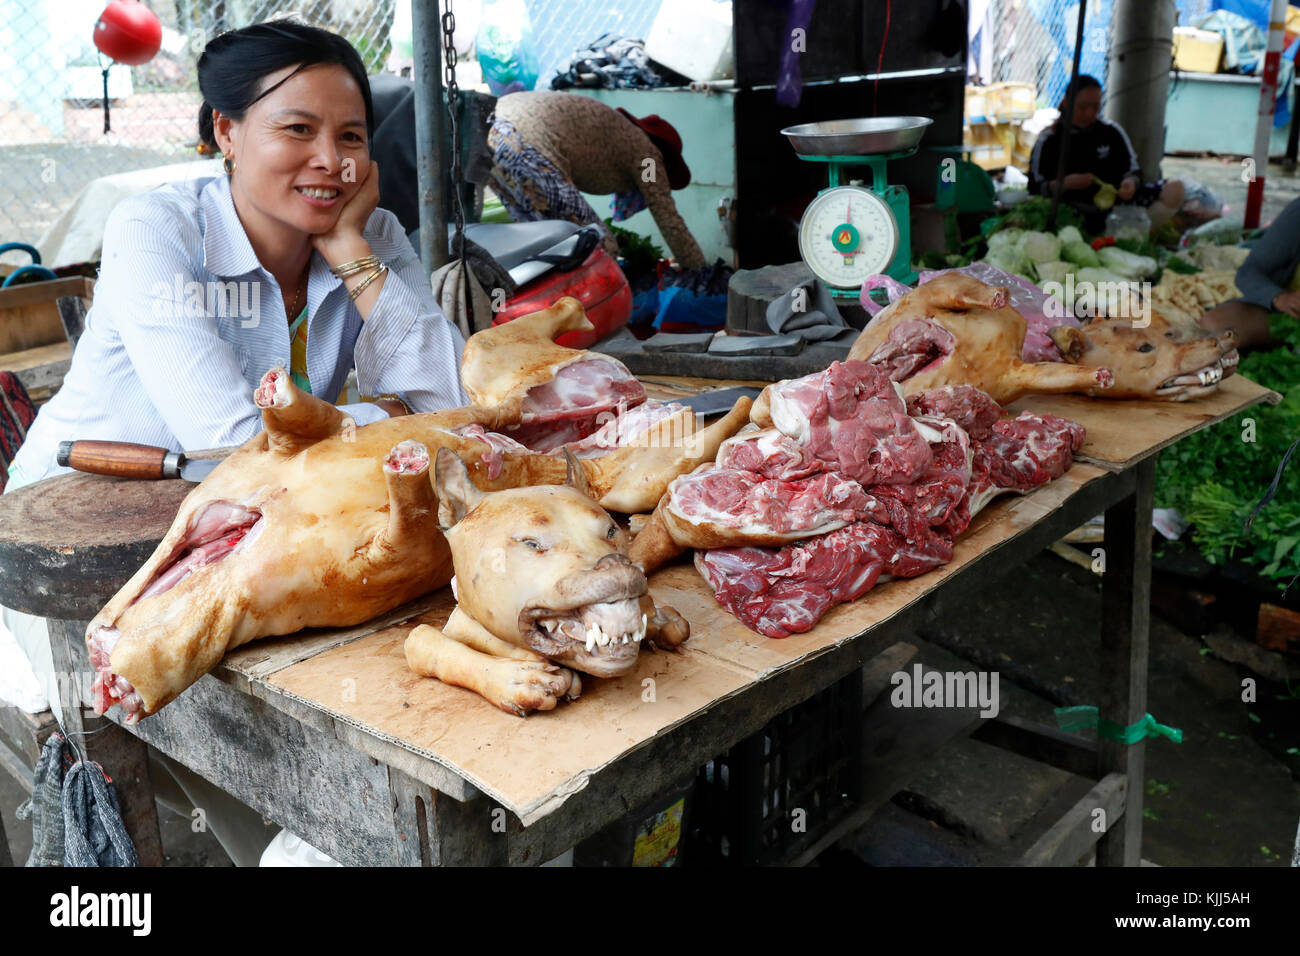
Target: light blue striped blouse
(185, 322)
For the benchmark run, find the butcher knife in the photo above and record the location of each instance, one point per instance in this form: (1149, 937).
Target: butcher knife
(717, 401)
(121, 459)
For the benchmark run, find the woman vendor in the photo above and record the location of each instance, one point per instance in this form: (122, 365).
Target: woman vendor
(207, 284)
(1098, 148)
(283, 260)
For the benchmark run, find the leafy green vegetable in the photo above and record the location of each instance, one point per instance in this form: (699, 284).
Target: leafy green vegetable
(1181, 265)
(1127, 264)
(1040, 246)
(640, 254)
(1081, 254)
(1069, 234)
(1215, 476)
(1139, 247)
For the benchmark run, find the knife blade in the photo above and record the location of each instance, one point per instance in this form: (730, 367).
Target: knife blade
(121, 459)
(716, 401)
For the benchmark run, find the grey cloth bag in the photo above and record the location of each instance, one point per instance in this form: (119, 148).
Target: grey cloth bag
(94, 834)
(817, 318)
(46, 805)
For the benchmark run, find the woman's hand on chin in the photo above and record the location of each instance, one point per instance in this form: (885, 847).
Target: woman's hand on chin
(344, 242)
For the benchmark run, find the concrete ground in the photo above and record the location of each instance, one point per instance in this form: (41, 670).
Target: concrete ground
(1225, 175)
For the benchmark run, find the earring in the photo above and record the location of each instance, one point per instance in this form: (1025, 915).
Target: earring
(228, 164)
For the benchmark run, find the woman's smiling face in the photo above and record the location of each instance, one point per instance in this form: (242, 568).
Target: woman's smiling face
(300, 151)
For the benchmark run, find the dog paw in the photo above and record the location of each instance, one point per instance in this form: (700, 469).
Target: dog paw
(525, 686)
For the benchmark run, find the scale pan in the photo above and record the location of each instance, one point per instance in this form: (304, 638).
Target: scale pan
(857, 137)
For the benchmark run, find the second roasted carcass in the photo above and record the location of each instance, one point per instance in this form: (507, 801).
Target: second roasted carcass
(955, 330)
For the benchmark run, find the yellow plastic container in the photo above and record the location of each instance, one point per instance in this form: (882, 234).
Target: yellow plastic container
(1197, 51)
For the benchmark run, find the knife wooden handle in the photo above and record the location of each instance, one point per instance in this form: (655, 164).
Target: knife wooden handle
(118, 459)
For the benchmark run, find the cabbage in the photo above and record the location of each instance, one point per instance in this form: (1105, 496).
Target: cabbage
(1006, 240)
(1008, 261)
(1053, 272)
(1128, 264)
(1098, 276)
(1069, 234)
(1081, 254)
(1040, 246)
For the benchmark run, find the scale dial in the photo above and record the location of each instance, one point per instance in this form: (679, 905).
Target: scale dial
(847, 234)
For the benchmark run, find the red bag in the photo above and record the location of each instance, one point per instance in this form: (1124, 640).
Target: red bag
(599, 284)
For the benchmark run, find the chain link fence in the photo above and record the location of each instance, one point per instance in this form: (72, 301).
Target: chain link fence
(52, 139)
(1032, 41)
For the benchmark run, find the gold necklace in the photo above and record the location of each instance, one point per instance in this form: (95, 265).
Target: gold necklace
(296, 309)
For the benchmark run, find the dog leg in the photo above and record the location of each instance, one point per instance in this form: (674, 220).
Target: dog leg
(516, 686)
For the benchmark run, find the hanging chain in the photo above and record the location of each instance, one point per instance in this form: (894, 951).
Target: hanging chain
(453, 109)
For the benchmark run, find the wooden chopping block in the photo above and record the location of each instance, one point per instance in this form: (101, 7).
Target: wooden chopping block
(68, 543)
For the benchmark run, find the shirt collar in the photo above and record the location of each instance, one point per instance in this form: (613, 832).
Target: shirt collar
(226, 249)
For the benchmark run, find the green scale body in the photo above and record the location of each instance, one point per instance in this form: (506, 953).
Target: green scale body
(845, 237)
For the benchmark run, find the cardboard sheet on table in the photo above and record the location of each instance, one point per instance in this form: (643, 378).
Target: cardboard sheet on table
(715, 632)
(530, 765)
(1122, 432)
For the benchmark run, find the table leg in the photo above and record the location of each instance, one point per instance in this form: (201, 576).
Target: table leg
(434, 829)
(1125, 626)
(124, 757)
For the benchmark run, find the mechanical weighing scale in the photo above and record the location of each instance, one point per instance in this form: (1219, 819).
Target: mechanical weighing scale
(850, 232)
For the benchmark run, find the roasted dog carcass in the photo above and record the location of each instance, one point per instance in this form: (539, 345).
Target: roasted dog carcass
(1153, 361)
(955, 330)
(544, 589)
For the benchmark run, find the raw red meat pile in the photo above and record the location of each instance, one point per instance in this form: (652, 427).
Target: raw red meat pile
(861, 484)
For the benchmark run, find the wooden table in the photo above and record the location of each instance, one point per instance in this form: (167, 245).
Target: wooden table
(330, 735)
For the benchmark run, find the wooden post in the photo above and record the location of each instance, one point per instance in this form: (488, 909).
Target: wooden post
(1125, 622)
(124, 757)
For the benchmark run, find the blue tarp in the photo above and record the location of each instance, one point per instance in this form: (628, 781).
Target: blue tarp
(1059, 18)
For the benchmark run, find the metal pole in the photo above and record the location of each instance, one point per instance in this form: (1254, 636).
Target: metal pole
(1264, 119)
(429, 161)
(1067, 118)
(1137, 83)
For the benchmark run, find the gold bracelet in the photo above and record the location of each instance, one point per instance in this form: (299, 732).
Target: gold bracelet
(355, 266)
(366, 282)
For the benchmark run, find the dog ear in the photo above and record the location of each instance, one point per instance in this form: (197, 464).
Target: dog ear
(1070, 342)
(457, 493)
(575, 476)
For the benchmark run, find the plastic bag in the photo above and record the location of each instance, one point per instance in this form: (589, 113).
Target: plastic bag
(1128, 222)
(505, 47)
(1200, 204)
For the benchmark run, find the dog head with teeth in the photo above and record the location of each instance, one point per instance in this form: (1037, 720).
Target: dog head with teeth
(545, 568)
(1154, 361)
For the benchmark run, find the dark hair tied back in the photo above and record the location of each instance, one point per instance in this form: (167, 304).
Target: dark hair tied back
(234, 64)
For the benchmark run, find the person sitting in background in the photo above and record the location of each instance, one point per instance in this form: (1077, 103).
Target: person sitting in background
(1098, 147)
(1269, 281)
(550, 148)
